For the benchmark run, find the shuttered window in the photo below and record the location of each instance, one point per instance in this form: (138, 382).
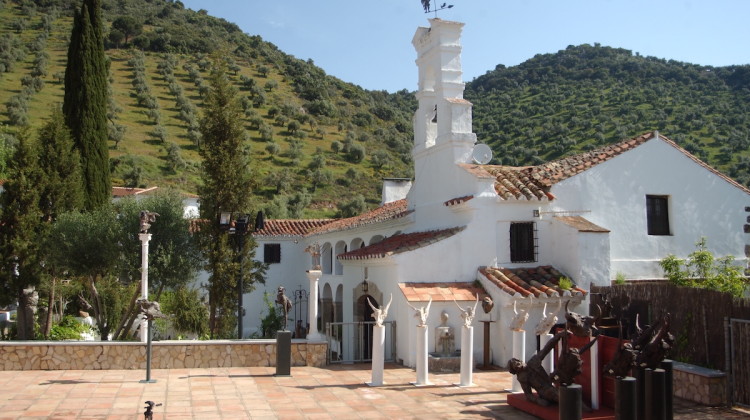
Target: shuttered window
(657, 214)
(272, 253)
(523, 242)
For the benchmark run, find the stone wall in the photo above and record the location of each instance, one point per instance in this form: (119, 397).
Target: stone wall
(164, 355)
(702, 385)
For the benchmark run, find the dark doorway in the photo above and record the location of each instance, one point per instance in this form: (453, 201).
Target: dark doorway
(365, 339)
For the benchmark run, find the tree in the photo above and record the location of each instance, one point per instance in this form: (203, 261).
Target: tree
(85, 102)
(226, 181)
(129, 26)
(20, 229)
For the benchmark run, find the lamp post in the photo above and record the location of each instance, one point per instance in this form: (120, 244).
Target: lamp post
(238, 227)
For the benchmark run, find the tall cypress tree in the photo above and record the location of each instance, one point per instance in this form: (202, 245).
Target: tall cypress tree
(85, 102)
(61, 164)
(226, 179)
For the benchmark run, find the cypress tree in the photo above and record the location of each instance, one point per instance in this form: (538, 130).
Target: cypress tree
(85, 102)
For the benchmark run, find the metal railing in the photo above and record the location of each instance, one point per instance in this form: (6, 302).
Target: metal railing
(351, 342)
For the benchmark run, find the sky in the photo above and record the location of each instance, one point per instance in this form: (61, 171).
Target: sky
(368, 43)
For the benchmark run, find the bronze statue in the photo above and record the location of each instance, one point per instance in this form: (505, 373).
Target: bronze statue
(426, 5)
(581, 325)
(147, 217)
(653, 343)
(569, 363)
(623, 360)
(532, 376)
(487, 304)
(286, 304)
(150, 309)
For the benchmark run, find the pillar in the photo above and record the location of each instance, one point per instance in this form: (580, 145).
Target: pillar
(312, 305)
(595, 377)
(467, 355)
(378, 347)
(548, 363)
(422, 368)
(519, 352)
(144, 237)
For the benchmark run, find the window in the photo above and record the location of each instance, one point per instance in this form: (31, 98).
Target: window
(522, 242)
(657, 214)
(272, 253)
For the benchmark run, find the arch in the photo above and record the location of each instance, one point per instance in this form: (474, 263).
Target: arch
(375, 239)
(338, 304)
(356, 243)
(327, 258)
(326, 306)
(340, 249)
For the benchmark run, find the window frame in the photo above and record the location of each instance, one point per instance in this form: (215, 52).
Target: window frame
(528, 241)
(657, 215)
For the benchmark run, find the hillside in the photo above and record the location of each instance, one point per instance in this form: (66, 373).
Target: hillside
(317, 143)
(320, 144)
(586, 96)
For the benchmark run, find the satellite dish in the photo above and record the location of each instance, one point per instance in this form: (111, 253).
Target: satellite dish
(481, 154)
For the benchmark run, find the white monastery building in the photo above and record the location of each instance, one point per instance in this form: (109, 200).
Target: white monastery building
(463, 228)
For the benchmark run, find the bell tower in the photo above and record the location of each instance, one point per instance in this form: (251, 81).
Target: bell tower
(443, 134)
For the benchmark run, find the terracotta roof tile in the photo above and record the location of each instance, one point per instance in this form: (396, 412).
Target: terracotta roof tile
(580, 223)
(540, 281)
(290, 227)
(388, 211)
(441, 292)
(399, 243)
(126, 191)
(459, 200)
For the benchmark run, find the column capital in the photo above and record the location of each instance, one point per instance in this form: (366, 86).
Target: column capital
(144, 237)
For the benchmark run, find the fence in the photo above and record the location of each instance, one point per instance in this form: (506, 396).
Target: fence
(739, 341)
(351, 342)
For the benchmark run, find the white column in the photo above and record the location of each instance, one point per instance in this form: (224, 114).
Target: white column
(378, 347)
(594, 359)
(467, 355)
(422, 368)
(519, 352)
(312, 304)
(144, 237)
(548, 363)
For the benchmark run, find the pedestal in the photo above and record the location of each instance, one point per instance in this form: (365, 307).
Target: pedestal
(595, 377)
(487, 362)
(145, 238)
(422, 369)
(378, 347)
(467, 356)
(519, 352)
(283, 353)
(549, 361)
(313, 335)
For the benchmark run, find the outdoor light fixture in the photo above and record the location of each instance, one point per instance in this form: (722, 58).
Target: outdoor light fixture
(365, 286)
(225, 219)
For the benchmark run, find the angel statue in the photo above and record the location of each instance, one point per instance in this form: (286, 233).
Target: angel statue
(380, 314)
(520, 318)
(549, 319)
(421, 313)
(468, 314)
(147, 217)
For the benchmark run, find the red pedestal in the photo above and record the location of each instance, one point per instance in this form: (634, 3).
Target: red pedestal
(551, 412)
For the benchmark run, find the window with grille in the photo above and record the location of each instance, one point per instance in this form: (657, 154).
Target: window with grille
(657, 214)
(272, 253)
(523, 242)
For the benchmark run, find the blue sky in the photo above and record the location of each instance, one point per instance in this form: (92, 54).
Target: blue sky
(369, 42)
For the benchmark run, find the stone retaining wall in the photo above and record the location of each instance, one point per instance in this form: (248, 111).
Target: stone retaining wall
(702, 385)
(100, 355)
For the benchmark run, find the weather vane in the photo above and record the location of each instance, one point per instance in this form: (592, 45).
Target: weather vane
(428, 8)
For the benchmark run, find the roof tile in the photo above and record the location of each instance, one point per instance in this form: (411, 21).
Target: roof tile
(540, 281)
(388, 211)
(441, 292)
(290, 227)
(397, 244)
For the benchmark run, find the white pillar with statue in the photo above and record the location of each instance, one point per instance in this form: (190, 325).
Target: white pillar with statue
(467, 344)
(519, 337)
(314, 276)
(146, 218)
(422, 366)
(378, 342)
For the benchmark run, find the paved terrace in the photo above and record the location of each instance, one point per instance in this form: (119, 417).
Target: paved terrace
(336, 392)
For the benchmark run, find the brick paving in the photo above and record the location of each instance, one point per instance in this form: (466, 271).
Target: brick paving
(334, 392)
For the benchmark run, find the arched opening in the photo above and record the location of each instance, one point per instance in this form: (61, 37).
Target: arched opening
(327, 258)
(326, 306)
(356, 243)
(340, 249)
(375, 239)
(363, 340)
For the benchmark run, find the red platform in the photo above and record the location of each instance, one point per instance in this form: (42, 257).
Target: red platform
(551, 412)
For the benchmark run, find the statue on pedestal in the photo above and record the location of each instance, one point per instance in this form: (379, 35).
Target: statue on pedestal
(314, 251)
(150, 309)
(147, 217)
(520, 318)
(380, 314)
(421, 313)
(468, 314)
(285, 303)
(532, 376)
(548, 319)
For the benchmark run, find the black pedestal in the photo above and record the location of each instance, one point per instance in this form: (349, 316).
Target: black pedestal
(626, 399)
(283, 353)
(571, 402)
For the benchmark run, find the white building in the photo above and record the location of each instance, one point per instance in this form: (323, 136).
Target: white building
(617, 209)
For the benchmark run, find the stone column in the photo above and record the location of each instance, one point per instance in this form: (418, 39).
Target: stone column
(595, 377)
(519, 352)
(145, 238)
(312, 304)
(378, 359)
(467, 355)
(422, 367)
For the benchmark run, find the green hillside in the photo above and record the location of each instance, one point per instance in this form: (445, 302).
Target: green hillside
(320, 144)
(586, 96)
(317, 142)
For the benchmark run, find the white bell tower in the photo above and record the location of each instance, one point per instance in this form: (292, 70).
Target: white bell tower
(442, 123)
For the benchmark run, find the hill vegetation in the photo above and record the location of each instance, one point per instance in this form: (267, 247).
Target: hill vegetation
(320, 145)
(587, 96)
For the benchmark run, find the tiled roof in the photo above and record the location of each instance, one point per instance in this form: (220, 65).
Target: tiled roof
(459, 200)
(388, 211)
(518, 183)
(540, 281)
(580, 223)
(290, 227)
(441, 292)
(397, 244)
(126, 191)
